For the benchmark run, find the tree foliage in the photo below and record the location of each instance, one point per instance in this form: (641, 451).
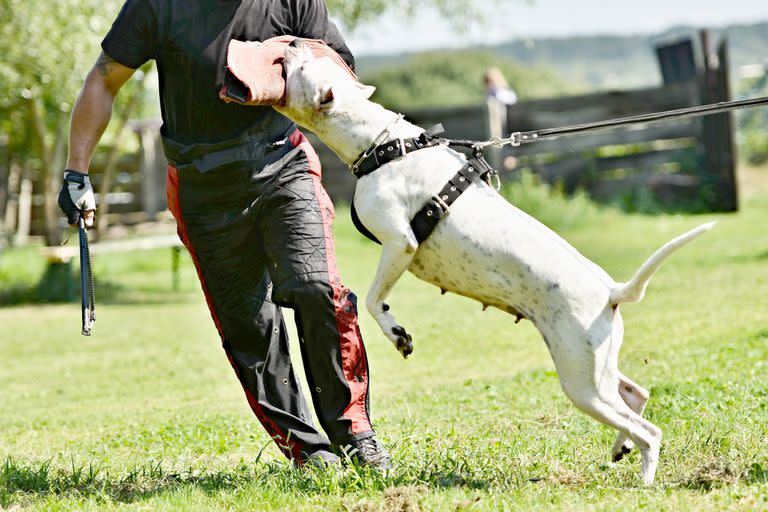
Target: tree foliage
(751, 123)
(447, 78)
(47, 49)
(354, 12)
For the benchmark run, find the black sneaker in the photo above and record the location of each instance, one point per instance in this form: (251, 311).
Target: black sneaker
(322, 459)
(368, 452)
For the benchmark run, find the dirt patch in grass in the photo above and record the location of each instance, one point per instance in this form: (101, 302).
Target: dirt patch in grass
(712, 474)
(394, 499)
(564, 476)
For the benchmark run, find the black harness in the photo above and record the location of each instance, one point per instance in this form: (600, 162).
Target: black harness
(438, 206)
(373, 158)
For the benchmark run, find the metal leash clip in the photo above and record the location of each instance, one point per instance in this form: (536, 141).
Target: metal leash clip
(494, 180)
(87, 296)
(515, 139)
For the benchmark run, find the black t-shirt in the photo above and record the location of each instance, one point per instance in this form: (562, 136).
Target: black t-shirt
(188, 40)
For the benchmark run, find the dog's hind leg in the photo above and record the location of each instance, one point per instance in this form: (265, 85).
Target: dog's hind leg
(396, 256)
(635, 396)
(607, 406)
(592, 382)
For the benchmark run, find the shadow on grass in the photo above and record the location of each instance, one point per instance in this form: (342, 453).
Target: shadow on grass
(21, 482)
(106, 292)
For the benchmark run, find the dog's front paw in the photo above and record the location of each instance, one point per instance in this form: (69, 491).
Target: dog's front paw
(403, 342)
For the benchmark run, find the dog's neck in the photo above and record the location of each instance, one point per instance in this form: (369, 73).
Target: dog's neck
(351, 130)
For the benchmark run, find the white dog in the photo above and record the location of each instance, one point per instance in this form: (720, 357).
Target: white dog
(485, 249)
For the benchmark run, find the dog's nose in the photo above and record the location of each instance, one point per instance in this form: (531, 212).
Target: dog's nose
(298, 43)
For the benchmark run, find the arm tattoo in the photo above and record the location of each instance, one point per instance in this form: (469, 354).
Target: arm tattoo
(105, 63)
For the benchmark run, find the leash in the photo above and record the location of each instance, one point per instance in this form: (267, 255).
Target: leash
(519, 138)
(87, 295)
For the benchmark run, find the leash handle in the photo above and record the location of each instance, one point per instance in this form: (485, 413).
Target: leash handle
(87, 295)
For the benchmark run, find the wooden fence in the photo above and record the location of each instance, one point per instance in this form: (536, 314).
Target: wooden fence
(678, 164)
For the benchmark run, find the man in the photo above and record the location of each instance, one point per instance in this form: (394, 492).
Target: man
(244, 187)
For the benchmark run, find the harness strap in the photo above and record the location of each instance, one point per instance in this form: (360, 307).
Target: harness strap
(426, 220)
(437, 208)
(394, 149)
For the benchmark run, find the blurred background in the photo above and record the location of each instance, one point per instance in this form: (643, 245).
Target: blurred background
(145, 414)
(480, 68)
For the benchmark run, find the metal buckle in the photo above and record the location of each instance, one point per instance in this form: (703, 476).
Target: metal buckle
(495, 180)
(401, 144)
(443, 205)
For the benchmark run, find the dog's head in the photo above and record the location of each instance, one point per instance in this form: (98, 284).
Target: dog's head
(317, 87)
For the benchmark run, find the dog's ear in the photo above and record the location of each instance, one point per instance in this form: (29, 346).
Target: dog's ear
(324, 96)
(367, 90)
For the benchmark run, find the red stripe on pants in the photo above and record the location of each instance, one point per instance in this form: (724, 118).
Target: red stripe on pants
(289, 447)
(353, 360)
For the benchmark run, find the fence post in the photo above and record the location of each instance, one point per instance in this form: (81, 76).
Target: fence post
(25, 212)
(12, 203)
(717, 130)
(495, 125)
(152, 165)
(724, 122)
(4, 177)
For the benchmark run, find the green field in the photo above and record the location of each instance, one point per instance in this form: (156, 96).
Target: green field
(475, 419)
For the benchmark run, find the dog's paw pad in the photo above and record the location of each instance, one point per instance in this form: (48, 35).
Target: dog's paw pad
(405, 347)
(404, 342)
(625, 450)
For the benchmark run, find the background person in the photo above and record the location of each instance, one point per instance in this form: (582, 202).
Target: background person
(498, 95)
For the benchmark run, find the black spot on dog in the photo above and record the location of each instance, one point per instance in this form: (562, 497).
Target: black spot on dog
(624, 451)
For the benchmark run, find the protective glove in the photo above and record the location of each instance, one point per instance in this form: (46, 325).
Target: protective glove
(76, 197)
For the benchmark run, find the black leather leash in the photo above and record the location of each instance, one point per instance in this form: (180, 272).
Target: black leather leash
(518, 138)
(87, 295)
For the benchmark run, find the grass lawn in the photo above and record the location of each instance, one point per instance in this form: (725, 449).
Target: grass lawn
(147, 415)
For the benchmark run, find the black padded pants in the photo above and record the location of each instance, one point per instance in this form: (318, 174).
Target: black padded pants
(261, 239)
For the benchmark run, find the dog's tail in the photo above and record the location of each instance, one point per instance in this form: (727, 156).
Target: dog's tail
(634, 289)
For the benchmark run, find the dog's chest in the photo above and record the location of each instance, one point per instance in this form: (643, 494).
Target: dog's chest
(488, 250)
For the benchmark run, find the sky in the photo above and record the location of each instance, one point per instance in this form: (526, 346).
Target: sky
(515, 19)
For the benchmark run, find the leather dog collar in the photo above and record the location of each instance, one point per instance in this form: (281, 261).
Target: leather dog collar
(375, 157)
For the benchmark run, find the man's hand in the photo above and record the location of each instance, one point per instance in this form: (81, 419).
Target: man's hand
(76, 197)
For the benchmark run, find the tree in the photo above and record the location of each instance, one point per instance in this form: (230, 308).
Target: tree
(353, 12)
(47, 49)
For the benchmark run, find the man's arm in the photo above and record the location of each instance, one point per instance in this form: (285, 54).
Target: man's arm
(93, 109)
(90, 117)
